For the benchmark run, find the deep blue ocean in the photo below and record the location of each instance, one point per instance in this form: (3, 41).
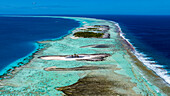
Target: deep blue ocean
(150, 35)
(18, 35)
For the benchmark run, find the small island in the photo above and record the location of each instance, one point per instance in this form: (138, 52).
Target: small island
(95, 31)
(93, 60)
(78, 57)
(88, 34)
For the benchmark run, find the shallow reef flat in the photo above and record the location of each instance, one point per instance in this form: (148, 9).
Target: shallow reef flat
(101, 83)
(115, 75)
(78, 57)
(82, 68)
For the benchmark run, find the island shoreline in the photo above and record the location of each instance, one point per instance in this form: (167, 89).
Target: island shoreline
(39, 43)
(140, 64)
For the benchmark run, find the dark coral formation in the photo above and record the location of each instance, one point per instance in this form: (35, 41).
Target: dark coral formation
(94, 86)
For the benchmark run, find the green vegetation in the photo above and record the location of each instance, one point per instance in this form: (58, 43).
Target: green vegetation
(91, 29)
(98, 26)
(74, 56)
(88, 34)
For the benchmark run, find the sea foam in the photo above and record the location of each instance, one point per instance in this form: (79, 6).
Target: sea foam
(158, 69)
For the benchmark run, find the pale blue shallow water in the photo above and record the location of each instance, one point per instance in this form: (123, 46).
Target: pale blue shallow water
(150, 35)
(32, 79)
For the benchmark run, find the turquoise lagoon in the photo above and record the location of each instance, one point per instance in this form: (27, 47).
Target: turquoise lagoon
(32, 79)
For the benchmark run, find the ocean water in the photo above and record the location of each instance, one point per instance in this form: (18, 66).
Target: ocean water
(150, 35)
(28, 84)
(26, 79)
(18, 35)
